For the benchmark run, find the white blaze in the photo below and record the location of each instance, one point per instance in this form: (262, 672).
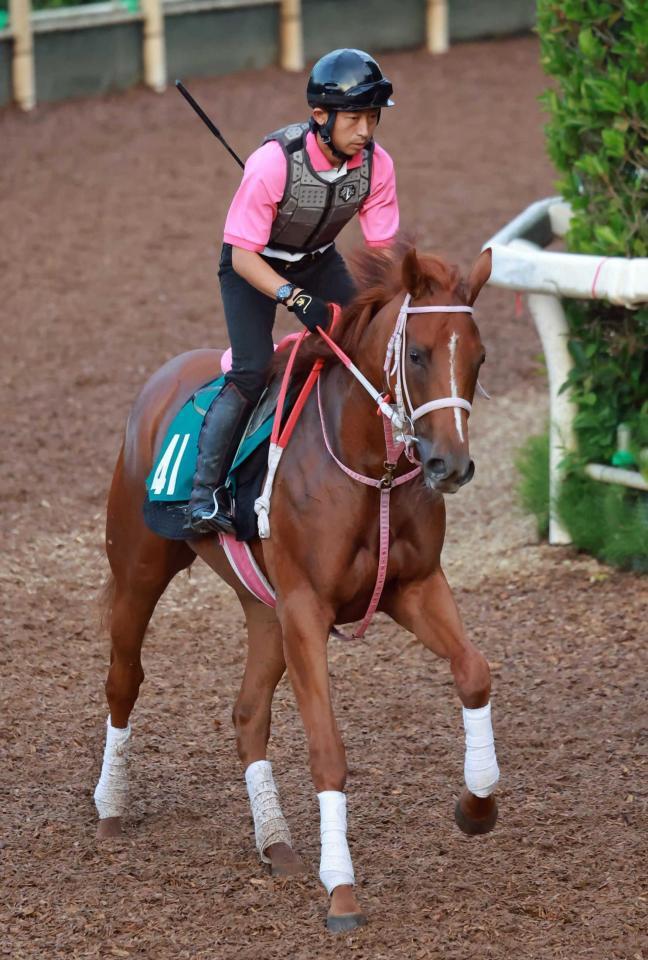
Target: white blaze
(452, 347)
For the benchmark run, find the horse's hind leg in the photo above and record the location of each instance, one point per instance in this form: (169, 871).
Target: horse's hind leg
(428, 609)
(142, 570)
(264, 669)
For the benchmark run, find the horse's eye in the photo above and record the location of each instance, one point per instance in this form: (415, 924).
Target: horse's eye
(415, 357)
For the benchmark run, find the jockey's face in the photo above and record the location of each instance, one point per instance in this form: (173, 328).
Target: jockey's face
(351, 130)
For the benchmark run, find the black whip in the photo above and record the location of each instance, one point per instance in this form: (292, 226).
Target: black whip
(203, 116)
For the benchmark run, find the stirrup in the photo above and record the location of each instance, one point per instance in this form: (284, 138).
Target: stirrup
(218, 520)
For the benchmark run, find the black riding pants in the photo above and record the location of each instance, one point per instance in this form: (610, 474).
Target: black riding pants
(250, 314)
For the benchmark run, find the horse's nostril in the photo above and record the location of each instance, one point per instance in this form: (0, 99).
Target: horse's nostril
(469, 474)
(436, 468)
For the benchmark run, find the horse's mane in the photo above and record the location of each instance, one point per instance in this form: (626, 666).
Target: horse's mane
(378, 277)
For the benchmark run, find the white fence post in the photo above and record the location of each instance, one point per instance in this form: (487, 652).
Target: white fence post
(291, 38)
(519, 264)
(22, 64)
(436, 26)
(551, 324)
(154, 47)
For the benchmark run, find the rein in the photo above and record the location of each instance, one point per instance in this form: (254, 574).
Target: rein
(395, 418)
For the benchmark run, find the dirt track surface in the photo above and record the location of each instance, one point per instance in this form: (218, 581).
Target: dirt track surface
(111, 212)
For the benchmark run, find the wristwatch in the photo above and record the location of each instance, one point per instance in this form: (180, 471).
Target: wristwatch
(285, 292)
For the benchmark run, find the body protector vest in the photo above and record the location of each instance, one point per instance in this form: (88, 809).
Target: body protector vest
(312, 211)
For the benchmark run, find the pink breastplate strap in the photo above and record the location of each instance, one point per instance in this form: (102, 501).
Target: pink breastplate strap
(385, 485)
(242, 562)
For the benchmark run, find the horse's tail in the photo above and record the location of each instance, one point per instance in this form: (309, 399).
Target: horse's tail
(105, 601)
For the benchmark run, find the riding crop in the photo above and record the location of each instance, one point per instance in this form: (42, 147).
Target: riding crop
(212, 126)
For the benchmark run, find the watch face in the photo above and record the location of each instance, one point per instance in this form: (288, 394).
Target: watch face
(284, 291)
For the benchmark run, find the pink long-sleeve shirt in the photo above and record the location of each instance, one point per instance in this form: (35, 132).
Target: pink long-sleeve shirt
(254, 207)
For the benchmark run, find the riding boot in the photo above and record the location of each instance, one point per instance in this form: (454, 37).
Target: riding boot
(210, 508)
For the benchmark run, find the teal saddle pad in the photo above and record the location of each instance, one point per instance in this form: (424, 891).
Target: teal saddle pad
(170, 480)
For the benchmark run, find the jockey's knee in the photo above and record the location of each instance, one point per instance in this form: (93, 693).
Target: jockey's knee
(251, 383)
(472, 677)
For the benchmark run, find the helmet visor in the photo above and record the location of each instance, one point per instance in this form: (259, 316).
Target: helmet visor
(364, 96)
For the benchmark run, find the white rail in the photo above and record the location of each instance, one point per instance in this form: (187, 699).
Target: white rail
(520, 264)
(607, 474)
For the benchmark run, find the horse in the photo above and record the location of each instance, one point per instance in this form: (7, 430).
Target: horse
(322, 554)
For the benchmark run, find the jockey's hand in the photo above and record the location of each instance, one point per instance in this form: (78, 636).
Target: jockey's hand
(312, 311)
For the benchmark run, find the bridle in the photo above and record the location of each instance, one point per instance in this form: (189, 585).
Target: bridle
(402, 412)
(396, 357)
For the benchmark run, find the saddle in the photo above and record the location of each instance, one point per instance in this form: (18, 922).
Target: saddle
(169, 483)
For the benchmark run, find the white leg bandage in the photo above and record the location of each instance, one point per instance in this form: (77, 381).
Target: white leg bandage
(481, 772)
(111, 791)
(335, 863)
(269, 823)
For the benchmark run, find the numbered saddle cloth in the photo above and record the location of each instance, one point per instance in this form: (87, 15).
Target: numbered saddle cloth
(169, 483)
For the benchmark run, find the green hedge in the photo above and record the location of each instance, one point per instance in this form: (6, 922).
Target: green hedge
(597, 137)
(532, 464)
(55, 4)
(608, 521)
(598, 133)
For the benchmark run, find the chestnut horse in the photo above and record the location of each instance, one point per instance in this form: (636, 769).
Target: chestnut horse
(323, 552)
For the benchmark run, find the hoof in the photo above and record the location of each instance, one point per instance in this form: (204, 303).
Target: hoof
(110, 827)
(345, 922)
(475, 815)
(284, 862)
(344, 913)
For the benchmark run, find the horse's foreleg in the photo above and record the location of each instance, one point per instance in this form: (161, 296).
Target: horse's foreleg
(428, 609)
(264, 669)
(305, 629)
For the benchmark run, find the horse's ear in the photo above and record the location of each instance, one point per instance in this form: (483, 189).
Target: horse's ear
(412, 273)
(479, 274)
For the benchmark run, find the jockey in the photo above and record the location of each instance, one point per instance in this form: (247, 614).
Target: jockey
(302, 185)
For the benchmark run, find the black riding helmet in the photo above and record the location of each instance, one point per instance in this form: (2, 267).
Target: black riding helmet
(346, 79)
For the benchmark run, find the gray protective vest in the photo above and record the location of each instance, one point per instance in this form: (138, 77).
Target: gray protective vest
(312, 211)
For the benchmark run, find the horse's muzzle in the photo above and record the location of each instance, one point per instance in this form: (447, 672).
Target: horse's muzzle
(445, 473)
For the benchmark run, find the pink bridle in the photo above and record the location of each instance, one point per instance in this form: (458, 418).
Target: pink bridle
(394, 418)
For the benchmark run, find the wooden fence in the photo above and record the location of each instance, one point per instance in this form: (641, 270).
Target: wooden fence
(71, 51)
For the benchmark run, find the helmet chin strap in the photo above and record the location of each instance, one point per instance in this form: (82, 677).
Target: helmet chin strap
(325, 131)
